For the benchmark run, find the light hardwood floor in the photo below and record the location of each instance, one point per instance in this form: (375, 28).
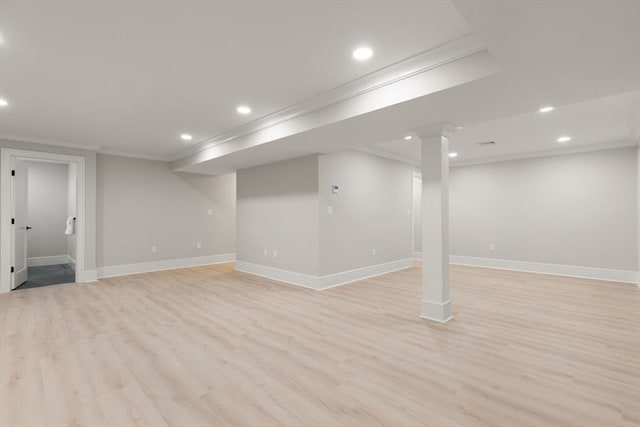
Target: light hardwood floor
(210, 347)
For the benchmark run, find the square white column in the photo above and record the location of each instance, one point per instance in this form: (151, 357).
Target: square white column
(436, 304)
(638, 204)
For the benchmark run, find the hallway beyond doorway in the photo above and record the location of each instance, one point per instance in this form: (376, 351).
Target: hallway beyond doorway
(47, 275)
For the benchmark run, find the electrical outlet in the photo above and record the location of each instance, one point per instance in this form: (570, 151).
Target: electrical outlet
(154, 249)
(198, 245)
(265, 252)
(209, 212)
(275, 253)
(409, 212)
(373, 252)
(492, 246)
(329, 210)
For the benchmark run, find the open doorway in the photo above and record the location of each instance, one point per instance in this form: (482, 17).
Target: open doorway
(42, 209)
(44, 195)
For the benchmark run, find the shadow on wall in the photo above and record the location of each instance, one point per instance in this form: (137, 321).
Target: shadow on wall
(215, 189)
(276, 178)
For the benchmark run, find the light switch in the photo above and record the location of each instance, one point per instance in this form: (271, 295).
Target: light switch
(209, 212)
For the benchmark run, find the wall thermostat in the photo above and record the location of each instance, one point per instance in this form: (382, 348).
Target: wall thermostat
(335, 188)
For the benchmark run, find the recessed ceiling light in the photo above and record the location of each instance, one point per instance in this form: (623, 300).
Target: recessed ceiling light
(546, 109)
(243, 109)
(453, 155)
(564, 139)
(3, 102)
(186, 137)
(408, 137)
(362, 53)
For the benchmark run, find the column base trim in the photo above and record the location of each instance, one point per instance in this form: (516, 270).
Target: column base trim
(436, 311)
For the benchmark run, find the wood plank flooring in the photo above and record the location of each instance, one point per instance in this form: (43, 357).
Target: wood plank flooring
(212, 347)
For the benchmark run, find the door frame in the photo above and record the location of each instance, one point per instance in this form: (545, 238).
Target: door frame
(20, 166)
(6, 207)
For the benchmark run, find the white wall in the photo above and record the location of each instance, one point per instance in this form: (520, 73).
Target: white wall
(142, 203)
(638, 211)
(283, 207)
(417, 211)
(278, 211)
(371, 211)
(47, 209)
(576, 209)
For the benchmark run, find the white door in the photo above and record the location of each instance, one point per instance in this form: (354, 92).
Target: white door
(19, 189)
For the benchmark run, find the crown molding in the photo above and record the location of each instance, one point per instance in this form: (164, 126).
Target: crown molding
(635, 132)
(507, 157)
(49, 142)
(133, 155)
(546, 153)
(388, 155)
(94, 148)
(415, 65)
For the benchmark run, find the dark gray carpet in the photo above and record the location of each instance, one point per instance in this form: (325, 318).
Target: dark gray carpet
(48, 275)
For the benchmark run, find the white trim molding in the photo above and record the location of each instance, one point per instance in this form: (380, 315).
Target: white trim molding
(451, 64)
(168, 264)
(7, 155)
(350, 276)
(554, 269)
(436, 311)
(86, 276)
(320, 283)
(286, 276)
(415, 65)
(558, 151)
(49, 142)
(49, 260)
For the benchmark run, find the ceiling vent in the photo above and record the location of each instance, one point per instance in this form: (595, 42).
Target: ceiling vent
(486, 143)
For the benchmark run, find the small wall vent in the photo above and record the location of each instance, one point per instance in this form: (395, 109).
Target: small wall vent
(486, 143)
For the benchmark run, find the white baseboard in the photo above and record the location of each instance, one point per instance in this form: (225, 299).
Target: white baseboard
(48, 260)
(86, 276)
(286, 276)
(555, 269)
(345, 277)
(169, 264)
(319, 283)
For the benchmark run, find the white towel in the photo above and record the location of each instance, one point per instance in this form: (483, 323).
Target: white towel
(71, 226)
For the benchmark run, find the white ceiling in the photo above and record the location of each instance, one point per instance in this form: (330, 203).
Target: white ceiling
(608, 121)
(132, 76)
